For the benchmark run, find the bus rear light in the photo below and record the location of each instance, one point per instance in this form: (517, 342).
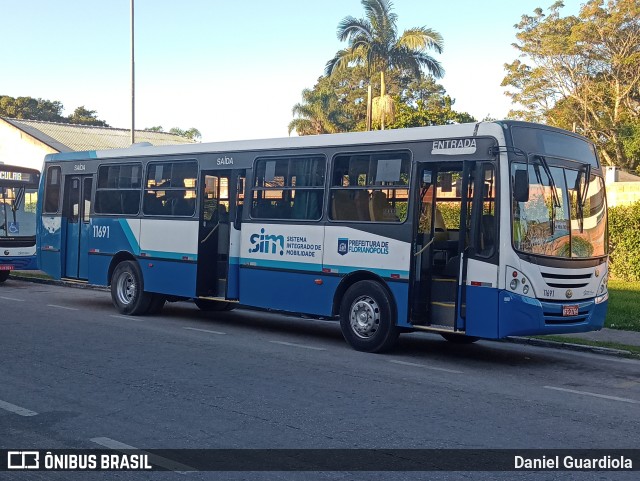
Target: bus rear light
(318, 282)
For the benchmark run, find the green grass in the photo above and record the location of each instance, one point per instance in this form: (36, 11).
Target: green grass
(33, 274)
(624, 305)
(633, 350)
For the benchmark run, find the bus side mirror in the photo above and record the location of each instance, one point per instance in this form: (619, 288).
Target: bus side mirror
(521, 186)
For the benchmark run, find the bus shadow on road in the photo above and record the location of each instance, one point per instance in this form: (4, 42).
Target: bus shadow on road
(416, 346)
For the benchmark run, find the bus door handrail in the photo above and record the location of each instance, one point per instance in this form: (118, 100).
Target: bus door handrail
(209, 234)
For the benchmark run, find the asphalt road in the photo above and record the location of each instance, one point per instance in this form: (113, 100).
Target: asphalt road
(76, 374)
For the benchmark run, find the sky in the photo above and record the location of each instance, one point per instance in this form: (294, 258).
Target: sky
(233, 69)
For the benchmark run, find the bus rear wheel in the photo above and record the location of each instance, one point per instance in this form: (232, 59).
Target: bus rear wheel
(127, 289)
(4, 275)
(366, 318)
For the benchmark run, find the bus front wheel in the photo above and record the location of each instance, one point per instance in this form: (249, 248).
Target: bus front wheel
(4, 275)
(127, 289)
(366, 318)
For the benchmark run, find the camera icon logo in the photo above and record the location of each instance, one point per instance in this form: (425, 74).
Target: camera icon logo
(23, 460)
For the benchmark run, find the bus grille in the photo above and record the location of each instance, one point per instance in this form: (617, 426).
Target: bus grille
(552, 312)
(569, 281)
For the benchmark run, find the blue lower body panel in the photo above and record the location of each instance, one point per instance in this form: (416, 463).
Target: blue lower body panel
(182, 276)
(524, 316)
(481, 312)
(27, 263)
(287, 291)
(299, 292)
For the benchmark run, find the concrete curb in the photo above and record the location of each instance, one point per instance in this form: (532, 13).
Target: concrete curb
(570, 346)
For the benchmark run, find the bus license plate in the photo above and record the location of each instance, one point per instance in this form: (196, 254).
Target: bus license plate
(6, 267)
(569, 311)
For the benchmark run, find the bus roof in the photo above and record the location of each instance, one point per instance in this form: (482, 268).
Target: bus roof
(307, 141)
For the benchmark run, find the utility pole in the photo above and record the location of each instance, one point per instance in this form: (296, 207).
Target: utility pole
(133, 82)
(368, 105)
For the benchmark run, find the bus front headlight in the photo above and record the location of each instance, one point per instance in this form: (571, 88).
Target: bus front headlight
(519, 283)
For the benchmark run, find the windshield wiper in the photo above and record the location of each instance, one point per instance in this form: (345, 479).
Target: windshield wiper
(555, 200)
(582, 194)
(552, 183)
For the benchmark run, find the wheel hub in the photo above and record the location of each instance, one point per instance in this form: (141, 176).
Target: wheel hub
(126, 288)
(364, 317)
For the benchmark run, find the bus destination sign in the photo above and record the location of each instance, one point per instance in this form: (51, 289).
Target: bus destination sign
(16, 176)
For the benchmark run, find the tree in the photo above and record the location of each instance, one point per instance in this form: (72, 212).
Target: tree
(329, 107)
(83, 116)
(337, 103)
(583, 73)
(375, 45)
(424, 103)
(191, 134)
(29, 108)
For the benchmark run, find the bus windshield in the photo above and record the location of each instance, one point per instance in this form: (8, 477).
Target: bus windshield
(570, 224)
(17, 212)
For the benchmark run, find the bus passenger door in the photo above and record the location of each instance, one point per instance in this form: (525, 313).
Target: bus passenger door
(441, 242)
(219, 237)
(76, 210)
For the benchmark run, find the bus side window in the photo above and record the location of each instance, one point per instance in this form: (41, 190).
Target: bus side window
(288, 188)
(52, 190)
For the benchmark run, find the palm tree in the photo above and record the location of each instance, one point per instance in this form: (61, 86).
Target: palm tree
(318, 113)
(374, 43)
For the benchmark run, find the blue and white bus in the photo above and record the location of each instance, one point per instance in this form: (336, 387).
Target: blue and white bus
(18, 198)
(480, 230)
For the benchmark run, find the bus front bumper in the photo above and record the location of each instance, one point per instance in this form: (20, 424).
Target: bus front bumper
(525, 316)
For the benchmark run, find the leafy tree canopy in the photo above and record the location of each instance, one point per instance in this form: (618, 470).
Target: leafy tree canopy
(582, 73)
(29, 108)
(191, 134)
(374, 44)
(337, 103)
(83, 116)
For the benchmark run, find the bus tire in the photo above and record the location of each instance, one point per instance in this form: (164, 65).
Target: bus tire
(459, 338)
(127, 289)
(4, 275)
(366, 318)
(214, 306)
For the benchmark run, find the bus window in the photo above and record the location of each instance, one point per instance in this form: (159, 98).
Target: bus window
(288, 188)
(118, 190)
(370, 187)
(170, 189)
(52, 191)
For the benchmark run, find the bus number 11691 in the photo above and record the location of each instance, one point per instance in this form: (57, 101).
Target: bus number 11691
(101, 231)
